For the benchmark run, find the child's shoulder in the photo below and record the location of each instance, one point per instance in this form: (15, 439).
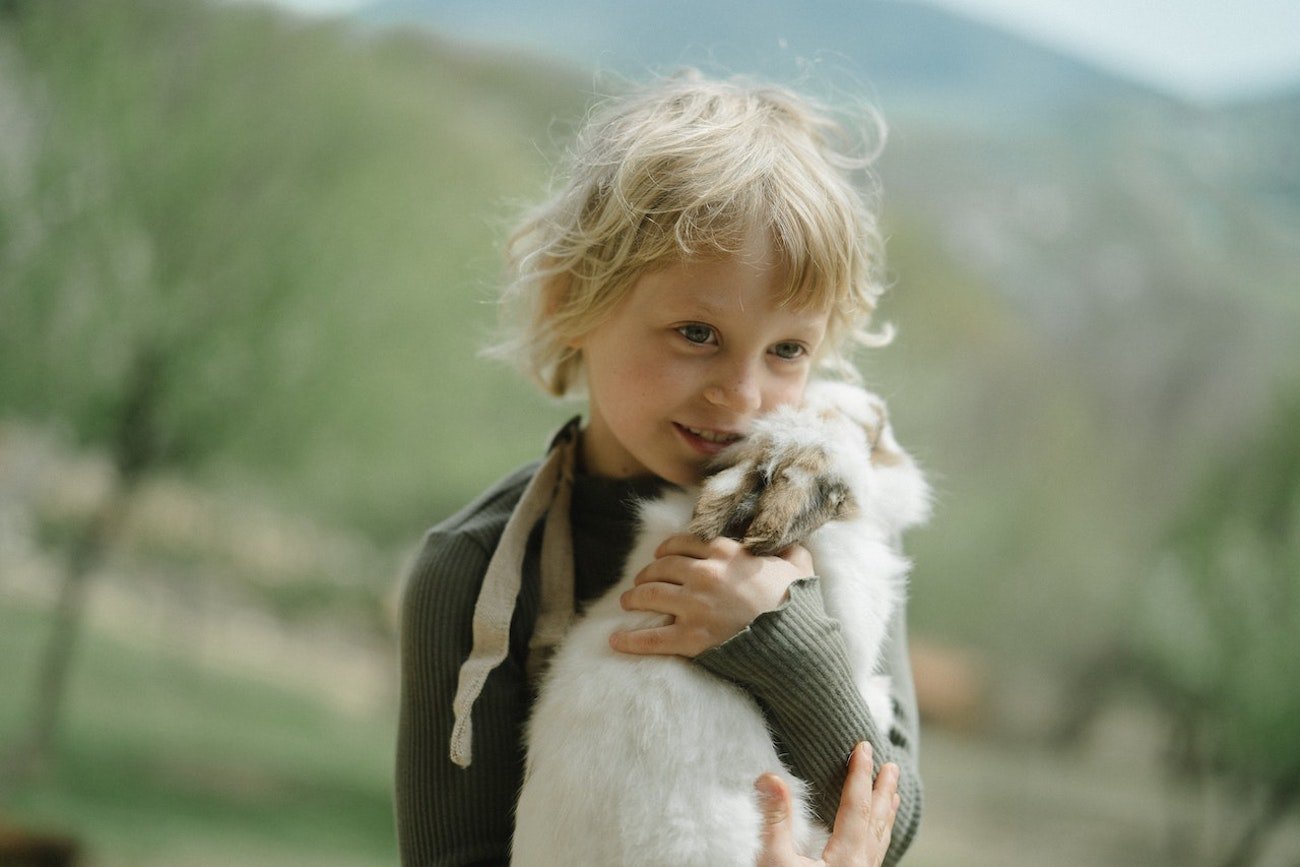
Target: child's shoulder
(483, 520)
(447, 569)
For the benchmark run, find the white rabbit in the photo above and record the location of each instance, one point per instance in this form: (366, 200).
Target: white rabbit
(651, 760)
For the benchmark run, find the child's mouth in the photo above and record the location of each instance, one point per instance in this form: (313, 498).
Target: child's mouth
(705, 440)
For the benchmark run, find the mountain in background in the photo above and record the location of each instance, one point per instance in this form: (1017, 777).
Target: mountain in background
(1095, 282)
(911, 55)
(1078, 193)
(926, 67)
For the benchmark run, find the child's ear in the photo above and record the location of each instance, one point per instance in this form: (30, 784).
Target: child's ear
(555, 292)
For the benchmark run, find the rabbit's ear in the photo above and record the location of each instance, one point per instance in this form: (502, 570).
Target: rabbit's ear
(876, 422)
(884, 449)
(832, 400)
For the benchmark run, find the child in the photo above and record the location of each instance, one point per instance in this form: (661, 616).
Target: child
(707, 250)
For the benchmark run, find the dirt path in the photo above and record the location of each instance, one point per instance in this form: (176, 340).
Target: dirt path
(1000, 805)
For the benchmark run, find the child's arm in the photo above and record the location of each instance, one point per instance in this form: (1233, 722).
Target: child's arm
(447, 814)
(791, 658)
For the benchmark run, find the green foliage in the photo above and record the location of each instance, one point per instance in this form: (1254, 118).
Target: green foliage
(281, 229)
(281, 237)
(1011, 437)
(1220, 624)
(135, 271)
(296, 225)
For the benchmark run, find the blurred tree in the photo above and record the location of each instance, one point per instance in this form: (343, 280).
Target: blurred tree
(151, 257)
(235, 238)
(1220, 631)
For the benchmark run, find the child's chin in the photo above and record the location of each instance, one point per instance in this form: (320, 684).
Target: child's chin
(694, 479)
(684, 477)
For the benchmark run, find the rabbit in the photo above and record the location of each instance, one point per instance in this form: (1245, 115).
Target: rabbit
(651, 760)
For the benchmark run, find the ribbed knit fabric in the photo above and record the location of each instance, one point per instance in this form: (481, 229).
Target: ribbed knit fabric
(792, 660)
(795, 664)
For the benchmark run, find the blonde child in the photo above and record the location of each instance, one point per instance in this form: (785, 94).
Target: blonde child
(707, 249)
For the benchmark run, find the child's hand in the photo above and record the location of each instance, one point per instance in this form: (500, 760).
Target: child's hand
(712, 590)
(863, 825)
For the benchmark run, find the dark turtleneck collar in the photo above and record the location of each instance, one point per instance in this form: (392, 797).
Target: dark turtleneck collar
(603, 517)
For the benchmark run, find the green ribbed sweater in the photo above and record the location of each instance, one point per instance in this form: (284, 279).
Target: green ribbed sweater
(792, 661)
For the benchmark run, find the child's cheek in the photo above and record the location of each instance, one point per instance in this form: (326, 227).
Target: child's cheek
(791, 392)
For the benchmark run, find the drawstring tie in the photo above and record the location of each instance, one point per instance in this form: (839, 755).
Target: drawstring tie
(549, 493)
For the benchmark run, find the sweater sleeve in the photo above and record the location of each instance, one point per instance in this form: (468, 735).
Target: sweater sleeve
(447, 815)
(794, 662)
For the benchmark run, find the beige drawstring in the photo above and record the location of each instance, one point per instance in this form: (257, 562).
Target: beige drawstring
(548, 493)
(556, 606)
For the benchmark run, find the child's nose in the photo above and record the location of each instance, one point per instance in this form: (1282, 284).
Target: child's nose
(737, 389)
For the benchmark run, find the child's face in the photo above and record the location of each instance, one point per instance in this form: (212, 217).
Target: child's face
(684, 364)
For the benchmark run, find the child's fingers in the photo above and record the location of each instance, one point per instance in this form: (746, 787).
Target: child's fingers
(884, 806)
(866, 815)
(670, 569)
(850, 833)
(777, 832)
(673, 639)
(657, 596)
(652, 641)
(799, 557)
(687, 545)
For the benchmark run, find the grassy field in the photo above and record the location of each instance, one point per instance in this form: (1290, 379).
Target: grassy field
(164, 760)
(170, 760)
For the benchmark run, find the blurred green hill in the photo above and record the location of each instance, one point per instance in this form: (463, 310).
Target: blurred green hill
(912, 56)
(295, 224)
(345, 192)
(1089, 304)
(1096, 282)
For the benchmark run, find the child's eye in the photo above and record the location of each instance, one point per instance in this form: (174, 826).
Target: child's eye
(788, 350)
(697, 333)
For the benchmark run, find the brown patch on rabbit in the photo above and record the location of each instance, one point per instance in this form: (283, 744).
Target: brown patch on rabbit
(771, 501)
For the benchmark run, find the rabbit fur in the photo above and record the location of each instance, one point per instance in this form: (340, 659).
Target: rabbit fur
(651, 760)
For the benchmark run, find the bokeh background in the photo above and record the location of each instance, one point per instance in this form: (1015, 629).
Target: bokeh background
(248, 255)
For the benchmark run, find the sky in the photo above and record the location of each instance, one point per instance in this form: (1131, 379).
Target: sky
(1200, 49)
(1197, 48)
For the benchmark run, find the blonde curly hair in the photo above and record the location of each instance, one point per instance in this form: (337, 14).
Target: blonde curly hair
(687, 168)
